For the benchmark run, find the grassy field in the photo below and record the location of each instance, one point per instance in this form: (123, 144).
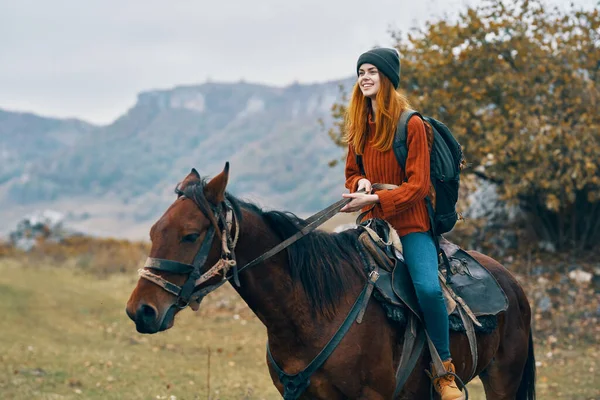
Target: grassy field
(65, 335)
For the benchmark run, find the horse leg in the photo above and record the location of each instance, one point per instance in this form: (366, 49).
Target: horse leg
(509, 374)
(512, 369)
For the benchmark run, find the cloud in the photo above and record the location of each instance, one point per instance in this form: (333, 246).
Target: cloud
(90, 58)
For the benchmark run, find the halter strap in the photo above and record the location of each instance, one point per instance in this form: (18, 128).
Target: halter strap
(174, 267)
(187, 292)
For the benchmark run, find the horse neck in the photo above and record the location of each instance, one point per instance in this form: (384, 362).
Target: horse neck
(268, 288)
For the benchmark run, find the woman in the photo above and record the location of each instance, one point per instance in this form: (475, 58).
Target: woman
(371, 120)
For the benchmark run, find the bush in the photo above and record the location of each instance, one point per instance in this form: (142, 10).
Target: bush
(518, 85)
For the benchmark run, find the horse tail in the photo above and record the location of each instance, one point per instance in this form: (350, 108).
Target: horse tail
(527, 387)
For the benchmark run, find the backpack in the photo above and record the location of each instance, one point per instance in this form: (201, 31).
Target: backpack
(446, 161)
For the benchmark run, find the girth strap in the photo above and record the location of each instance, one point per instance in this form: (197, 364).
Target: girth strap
(295, 385)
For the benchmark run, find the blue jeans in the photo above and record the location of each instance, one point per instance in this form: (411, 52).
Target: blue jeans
(422, 262)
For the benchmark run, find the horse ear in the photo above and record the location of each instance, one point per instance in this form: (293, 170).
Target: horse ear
(215, 189)
(193, 176)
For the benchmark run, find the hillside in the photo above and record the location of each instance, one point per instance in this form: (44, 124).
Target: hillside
(123, 174)
(26, 139)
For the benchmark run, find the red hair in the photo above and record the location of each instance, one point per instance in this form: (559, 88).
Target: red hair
(390, 105)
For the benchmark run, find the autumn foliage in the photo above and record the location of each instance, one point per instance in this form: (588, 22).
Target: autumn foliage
(518, 85)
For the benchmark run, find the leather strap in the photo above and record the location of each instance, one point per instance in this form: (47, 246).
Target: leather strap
(379, 256)
(414, 341)
(363, 214)
(314, 222)
(373, 276)
(174, 267)
(295, 385)
(435, 356)
(185, 292)
(440, 370)
(160, 281)
(459, 301)
(384, 186)
(188, 287)
(470, 330)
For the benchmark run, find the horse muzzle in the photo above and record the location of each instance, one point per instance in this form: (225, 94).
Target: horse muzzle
(148, 320)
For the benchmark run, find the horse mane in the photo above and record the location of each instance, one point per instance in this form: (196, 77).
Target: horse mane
(322, 262)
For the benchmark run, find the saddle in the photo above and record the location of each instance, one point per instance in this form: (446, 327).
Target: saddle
(470, 285)
(471, 292)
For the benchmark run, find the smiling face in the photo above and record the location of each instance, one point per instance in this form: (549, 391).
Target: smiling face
(369, 80)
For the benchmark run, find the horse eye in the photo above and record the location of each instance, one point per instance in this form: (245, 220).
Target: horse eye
(191, 238)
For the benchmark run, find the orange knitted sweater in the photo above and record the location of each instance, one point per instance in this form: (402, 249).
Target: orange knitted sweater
(404, 207)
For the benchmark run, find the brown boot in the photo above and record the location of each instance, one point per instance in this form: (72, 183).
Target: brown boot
(444, 384)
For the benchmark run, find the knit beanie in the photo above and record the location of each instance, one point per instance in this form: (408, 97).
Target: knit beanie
(386, 60)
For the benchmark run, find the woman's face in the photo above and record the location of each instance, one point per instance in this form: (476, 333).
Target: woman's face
(368, 80)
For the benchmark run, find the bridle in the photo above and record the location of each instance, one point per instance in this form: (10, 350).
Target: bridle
(191, 291)
(223, 217)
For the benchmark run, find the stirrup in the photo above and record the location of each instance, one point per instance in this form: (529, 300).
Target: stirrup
(435, 358)
(462, 387)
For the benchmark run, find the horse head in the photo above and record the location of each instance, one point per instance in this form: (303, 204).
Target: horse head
(190, 255)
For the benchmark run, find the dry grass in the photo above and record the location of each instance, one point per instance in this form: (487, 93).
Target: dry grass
(65, 335)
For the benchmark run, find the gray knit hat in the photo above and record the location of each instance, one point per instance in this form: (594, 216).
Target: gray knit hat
(387, 61)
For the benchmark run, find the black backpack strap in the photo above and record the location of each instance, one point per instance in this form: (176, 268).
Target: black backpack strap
(436, 240)
(399, 146)
(359, 161)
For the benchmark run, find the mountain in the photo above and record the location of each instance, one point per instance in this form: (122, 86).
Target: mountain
(117, 179)
(26, 138)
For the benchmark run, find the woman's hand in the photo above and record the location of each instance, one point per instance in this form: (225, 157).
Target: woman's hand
(359, 200)
(365, 184)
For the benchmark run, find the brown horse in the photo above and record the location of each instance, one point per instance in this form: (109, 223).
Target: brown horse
(304, 293)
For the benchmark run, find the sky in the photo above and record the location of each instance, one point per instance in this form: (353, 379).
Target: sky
(90, 58)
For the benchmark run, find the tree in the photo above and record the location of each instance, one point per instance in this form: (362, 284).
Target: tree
(518, 85)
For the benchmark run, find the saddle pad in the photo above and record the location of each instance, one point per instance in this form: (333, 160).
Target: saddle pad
(476, 285)
(472, 282)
